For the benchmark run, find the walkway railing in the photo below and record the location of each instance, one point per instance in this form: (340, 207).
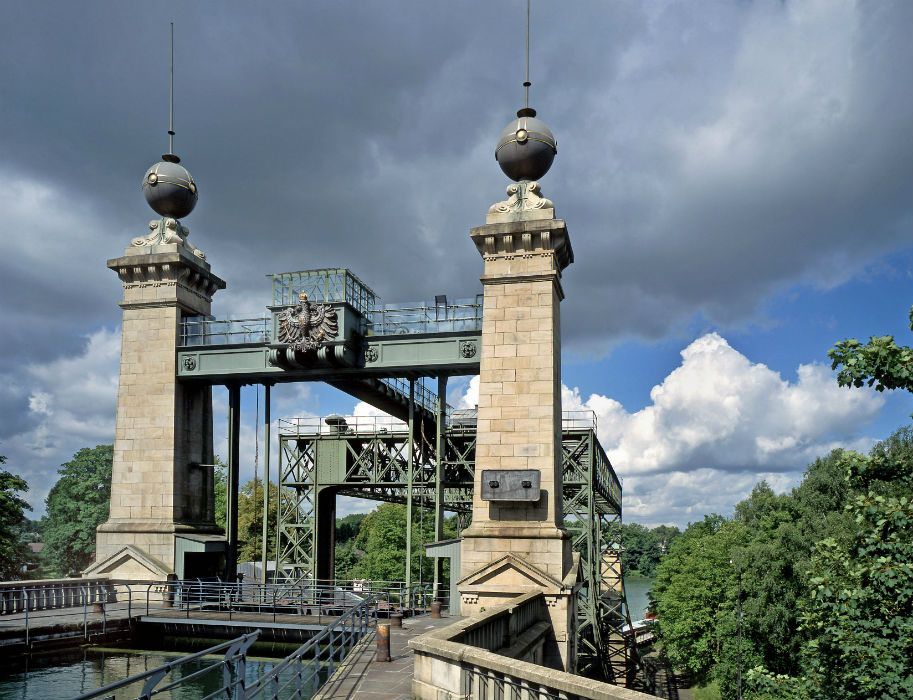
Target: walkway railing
(303, 671)
(457, 419)
(73, 607)
(77, 608)
(462, 316)
(297, 676)
(205, 330)
(233, 669)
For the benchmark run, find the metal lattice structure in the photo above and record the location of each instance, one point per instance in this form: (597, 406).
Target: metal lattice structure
(375, 459)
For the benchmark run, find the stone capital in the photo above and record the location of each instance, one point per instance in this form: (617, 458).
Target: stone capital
(536, 237)
(167, 277)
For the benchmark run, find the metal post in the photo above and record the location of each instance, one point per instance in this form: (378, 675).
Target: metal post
(266, 443)
(278, 512)
(740, 635)
(383, 643)
(234, 434)
(441, 420)
(410, 458)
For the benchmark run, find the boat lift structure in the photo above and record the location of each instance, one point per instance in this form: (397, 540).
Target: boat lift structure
(423, 457)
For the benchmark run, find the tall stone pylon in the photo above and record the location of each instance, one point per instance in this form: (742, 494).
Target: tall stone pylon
(162, 516)
(514, 544)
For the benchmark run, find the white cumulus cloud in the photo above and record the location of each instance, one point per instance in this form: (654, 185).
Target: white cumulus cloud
(721, 411)
(717, 425)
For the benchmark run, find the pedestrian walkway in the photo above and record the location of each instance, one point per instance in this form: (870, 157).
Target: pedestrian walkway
(375, 680)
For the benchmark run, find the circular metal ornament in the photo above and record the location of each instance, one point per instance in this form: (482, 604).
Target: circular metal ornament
(526, 148)
(169, 188)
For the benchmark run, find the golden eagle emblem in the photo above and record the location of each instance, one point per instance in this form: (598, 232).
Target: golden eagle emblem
(306, 326)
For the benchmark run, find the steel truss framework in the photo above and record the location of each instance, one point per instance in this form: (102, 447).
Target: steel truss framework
(374, 463)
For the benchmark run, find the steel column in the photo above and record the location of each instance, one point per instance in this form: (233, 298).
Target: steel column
(234, 439)
(266, 451)
(410, 459)
(440, 423)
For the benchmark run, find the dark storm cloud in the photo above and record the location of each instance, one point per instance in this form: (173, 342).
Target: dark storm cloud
(709, 154)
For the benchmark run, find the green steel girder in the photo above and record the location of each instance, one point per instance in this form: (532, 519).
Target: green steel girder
(373, 464)
(417, 355)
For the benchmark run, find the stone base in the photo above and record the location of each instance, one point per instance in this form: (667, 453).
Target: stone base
(541, 544)
(510, 576)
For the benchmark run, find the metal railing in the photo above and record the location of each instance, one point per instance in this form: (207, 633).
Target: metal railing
(69, 608)
(457, 419)
(199, 331)
(324, 285)
(76, 609)
(232, 668)
(298, 675)
(303, 671)
(462, 316)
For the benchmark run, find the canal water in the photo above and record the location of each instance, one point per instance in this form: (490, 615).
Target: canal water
(60, 676)
(637, 589)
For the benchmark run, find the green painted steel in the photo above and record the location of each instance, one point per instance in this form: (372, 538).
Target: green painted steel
(367, 457)
(397, 356)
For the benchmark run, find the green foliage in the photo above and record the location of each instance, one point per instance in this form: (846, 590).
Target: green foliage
(347, 528)
(859, 613)
(382, 538)
(881, 363)
(13, 550)
(76, 505)
(694, 588)
(826, 581)
(250, 521)
(220, 487)
(642, 547)
(711, 691)
(761, 684)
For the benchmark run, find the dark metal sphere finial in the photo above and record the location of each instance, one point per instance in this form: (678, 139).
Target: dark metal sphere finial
(526, 148)
(169, 188)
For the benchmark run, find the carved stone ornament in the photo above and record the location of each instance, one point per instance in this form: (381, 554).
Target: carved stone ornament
(190, 363)
(468, 349)
(522, 196)
(371, 353)
(307, 326)
(164, 231)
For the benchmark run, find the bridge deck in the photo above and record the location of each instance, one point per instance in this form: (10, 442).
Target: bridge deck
(361, 675)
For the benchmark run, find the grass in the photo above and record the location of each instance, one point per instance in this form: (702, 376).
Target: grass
(711, 691)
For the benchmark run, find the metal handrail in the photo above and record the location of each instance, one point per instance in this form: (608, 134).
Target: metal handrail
(463, 316)
(235, 650)
(199, 331)
(271, 682)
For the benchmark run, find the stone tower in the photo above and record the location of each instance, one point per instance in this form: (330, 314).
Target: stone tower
(161, 521)
(516, 542)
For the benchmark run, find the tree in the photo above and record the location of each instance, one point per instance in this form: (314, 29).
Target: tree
(695, 586)
(250, 521)
(13, 551)
(220, 489)
(881, 363)
(77, 504)
(860, 610)
(382, 537)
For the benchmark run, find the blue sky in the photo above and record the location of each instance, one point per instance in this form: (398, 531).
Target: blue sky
(736, 178)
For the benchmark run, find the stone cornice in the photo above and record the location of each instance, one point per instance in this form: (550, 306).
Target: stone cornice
(166, 269)
(517, 238)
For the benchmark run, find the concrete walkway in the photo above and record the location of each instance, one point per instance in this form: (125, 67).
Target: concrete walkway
(372, 680)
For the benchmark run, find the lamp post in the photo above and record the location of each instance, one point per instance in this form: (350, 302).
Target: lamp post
(739, 631)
